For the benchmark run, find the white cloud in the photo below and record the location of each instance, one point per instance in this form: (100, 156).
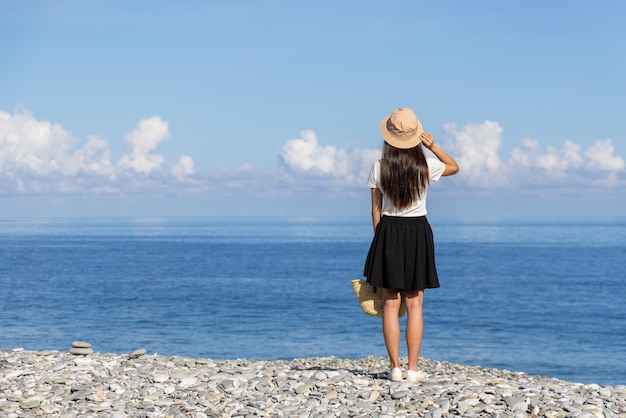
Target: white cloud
(528, 155)
(93, 158)
(306, 155)
(42, 157)
(28, 145)
(306, 160)
(476, 146)
(142, 141)
(183, 168)
(310, 165)
(39, 157)
(599, 157)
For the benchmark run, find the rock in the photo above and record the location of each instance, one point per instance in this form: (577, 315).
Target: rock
(83, 361)
(399, 394)
(186, 382)
(81, 344)
(81, 351)
(137, 353)
(31, 402)
(302, 389)
(63, 385)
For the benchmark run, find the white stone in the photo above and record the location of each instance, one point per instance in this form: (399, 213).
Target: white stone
(83, 361)
(185, 382)
(320, 375)
(160, 378)
(13, 374)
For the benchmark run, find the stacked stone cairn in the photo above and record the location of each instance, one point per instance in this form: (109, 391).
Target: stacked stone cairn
(83, 348)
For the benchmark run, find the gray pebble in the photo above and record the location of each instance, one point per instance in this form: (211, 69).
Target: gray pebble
(137, 353)
(60, 384)
(81, 351)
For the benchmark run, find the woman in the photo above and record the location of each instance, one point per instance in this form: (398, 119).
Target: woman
(401, 259)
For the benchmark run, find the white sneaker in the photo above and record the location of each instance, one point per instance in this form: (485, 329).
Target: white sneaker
(415, 376)
(395, 374)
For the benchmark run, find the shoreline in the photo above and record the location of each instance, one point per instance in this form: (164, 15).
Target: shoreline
(59, 384)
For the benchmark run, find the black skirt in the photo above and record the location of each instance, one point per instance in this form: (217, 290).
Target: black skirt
(402, 255)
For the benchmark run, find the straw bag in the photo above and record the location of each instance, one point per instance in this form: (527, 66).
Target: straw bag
(371, 299)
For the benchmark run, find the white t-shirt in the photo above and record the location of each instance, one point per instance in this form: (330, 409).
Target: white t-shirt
(418, 208)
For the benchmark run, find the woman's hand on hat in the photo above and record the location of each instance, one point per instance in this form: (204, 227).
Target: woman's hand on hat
(451, 167)
(427, 139)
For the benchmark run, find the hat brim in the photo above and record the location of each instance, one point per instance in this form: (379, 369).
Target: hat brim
(404, 142)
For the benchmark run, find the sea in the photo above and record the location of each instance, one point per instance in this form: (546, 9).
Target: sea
(541, 296)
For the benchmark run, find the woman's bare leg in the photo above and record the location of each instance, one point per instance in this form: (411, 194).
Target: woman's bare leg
(414, 325)
(391, 325)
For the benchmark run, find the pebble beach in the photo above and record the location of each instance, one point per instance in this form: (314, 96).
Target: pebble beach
(85, 383)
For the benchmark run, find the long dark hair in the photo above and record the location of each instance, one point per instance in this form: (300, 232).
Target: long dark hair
(404, 175)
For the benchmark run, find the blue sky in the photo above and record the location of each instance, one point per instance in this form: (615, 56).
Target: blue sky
(188, 108)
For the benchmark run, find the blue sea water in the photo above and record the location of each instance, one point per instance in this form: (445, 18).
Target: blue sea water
(541, 296)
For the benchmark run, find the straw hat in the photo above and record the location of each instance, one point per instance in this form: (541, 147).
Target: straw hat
(371, 299)
(401, 129)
